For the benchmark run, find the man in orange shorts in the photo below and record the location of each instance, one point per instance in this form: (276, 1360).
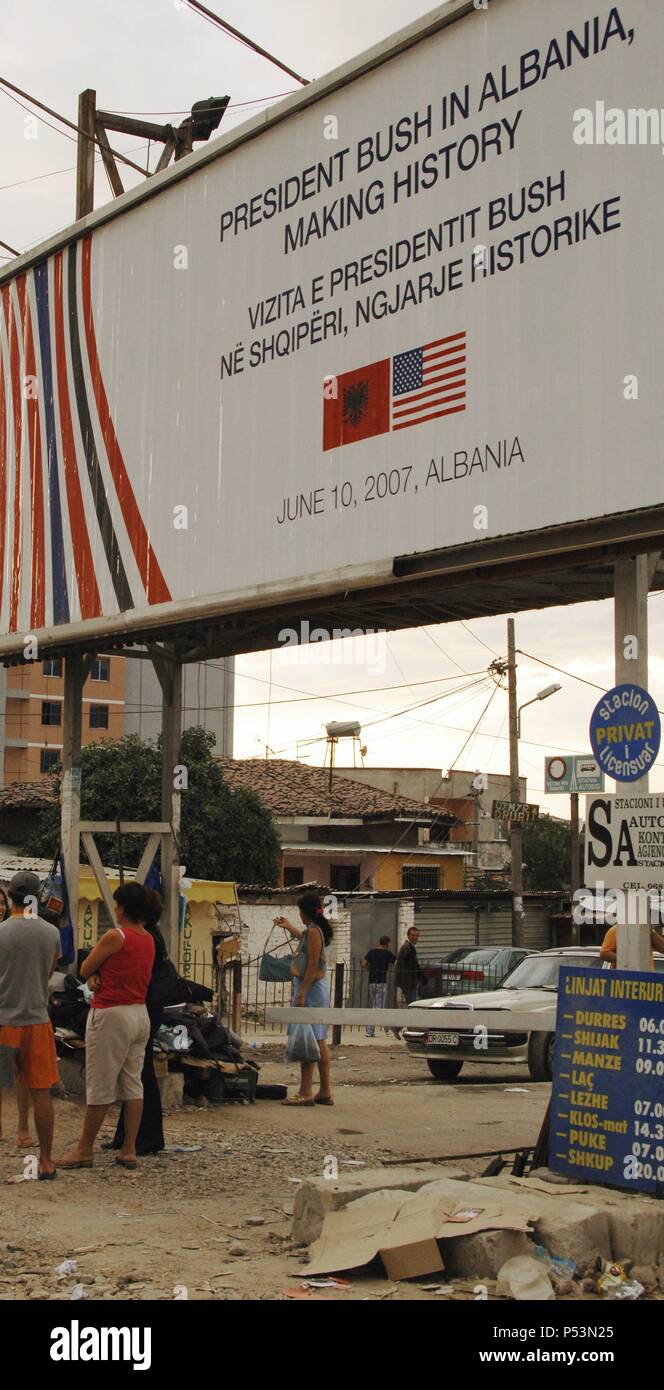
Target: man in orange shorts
(29, 953)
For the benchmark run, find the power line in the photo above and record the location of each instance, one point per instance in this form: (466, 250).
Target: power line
(242, 38)
(232, 105)
(65, 121)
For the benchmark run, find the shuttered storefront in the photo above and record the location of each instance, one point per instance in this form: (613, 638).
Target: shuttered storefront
(446, 925)
(536, 926)
(496, 926)
(443, 926)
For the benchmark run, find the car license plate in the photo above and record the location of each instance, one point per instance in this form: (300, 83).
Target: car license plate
(443, 1039)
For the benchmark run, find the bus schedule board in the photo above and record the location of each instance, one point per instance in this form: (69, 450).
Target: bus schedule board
(607, 1105)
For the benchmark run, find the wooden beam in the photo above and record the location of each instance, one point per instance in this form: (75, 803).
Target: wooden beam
(541, 1020)
(85, 154)
(130, 125)
(70, 801)
(112, 171)
(166, 155)
(147, 857)
(97, 867)
(127, 827)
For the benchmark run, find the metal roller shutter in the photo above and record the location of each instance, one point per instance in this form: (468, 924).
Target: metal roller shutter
(496, 927)
(537, 932)
(443, 926)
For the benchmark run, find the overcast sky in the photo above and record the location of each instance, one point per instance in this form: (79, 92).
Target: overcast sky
(156, 57)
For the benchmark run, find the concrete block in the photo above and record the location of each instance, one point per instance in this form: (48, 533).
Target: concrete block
(171, 1090)
(574, 1232)
(635, 1222)
(318, 1196)
(482, 1255)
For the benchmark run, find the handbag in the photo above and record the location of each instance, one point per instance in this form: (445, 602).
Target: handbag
(275, 969)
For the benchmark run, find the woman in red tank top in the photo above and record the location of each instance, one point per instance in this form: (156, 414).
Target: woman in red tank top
(118, 971)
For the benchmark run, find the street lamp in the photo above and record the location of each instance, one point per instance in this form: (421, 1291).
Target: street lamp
(543, 695)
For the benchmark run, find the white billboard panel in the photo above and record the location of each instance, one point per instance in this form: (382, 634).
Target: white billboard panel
(414, 312)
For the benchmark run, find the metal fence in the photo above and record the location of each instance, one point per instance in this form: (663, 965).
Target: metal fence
(242, 998)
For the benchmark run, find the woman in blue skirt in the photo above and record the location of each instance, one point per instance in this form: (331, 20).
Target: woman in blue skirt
(311, 989)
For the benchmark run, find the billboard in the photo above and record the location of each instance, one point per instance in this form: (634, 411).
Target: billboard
(401, 311)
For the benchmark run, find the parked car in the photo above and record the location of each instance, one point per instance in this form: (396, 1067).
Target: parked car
(470, 968)
(448, 1045)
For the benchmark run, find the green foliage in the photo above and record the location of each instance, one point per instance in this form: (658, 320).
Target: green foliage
(546, 854)
(224, 834)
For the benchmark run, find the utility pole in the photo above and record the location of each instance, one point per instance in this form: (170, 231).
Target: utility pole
(574, 871)
(516, 846)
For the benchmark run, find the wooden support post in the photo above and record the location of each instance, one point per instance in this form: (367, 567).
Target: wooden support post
(169, 671)
(574, 870)
(338, 1000)
(85, 158)
(70, 809)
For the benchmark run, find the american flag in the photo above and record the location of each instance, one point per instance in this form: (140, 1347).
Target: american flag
(429, 381)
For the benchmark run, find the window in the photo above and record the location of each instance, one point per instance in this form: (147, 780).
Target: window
(417, 877)
(98, 716)
(52, 667)
(344, 878)
(48, 759)
(101, 669)
(293, 876)
(51, 712)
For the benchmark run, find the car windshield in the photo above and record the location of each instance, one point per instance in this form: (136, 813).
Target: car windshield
(541, 972)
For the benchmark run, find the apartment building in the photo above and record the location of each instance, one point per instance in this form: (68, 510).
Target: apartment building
(33, 696)
(120, 696)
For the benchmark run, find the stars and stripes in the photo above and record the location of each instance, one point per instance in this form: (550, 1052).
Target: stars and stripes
(411, 388)
(428, 382)
(73, 543)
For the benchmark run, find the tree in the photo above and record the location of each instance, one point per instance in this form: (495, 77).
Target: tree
(546, 855)
(224, 834)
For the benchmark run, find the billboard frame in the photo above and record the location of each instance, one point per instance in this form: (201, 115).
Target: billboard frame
(507, 573)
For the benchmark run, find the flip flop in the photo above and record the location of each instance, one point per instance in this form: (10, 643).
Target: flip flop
(75, 1163)
(323, 1100)
(126, 1162)
(47, 1177)
(298, 1100)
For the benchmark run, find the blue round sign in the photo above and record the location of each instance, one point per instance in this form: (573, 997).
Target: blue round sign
(625, 732)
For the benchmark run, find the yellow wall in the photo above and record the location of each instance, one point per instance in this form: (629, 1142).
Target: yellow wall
(389, 868)
(195, 955)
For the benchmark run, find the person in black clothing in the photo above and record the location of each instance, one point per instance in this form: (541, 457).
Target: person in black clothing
(409, 977)
(150, 1137)
(378, 961)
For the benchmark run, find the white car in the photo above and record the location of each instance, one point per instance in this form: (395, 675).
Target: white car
(447, 1045)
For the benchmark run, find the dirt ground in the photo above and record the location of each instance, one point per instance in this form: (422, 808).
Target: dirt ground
(216, 1223)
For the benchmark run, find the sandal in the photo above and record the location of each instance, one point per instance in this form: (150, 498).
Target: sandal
(126, 1162)
(74, 1163)
(298, 1100)
(323, 1100)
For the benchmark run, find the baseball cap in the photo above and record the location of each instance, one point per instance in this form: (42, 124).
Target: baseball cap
(24, 885)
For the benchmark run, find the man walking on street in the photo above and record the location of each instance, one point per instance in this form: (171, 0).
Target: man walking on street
(29, 952)
(378, 961)
(409, 977)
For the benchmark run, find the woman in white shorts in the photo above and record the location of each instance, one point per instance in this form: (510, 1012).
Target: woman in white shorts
(118, 970)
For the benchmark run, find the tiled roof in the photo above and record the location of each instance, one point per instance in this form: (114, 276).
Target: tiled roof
(290, 788)
(23, 796)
